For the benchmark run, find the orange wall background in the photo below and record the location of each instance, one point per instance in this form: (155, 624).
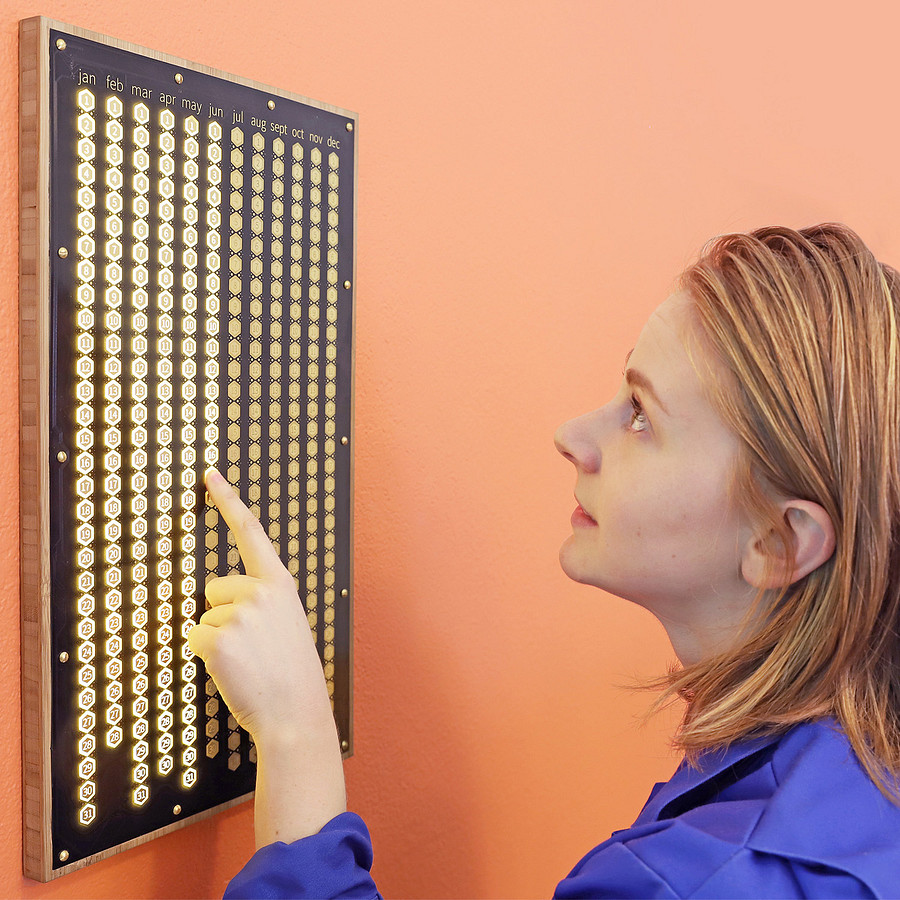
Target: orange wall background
(533, 175)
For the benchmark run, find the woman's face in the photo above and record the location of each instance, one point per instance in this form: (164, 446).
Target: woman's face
(655, 523)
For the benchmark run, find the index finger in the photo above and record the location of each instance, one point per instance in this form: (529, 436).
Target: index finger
(257, 552)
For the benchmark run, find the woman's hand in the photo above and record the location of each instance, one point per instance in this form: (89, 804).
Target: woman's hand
(257, 646)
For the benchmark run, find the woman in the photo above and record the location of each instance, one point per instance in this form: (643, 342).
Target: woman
(744, 486)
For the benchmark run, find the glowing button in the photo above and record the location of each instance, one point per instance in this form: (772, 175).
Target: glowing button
(87, 814)
(141, 113)
(141, 794)
(87, 744)
(85, 581)
(86, 698)
(114, 669)
(86, 125)
(114, 106)
(86, 768)
(86, 722)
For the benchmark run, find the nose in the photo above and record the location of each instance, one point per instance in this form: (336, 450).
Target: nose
(577, 441)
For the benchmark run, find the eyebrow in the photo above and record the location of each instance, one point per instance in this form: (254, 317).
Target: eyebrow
(638, 379)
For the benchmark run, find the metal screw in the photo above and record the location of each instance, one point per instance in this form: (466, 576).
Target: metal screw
(271, 104)
(62, 253)
(178, 78)
(61, 45)
(62, 456)
(345, 440)
(345, 745)
(347, 285)
(349, 126)
(63, 657)
(345, 592)
(176, 810)
(63, 855)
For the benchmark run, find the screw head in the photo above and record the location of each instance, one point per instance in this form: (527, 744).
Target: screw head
(271, 104)
(62, 456)
(345, 592)
(178, 78)
(345, 745)
(176, 810)
(63, 657)
(62, 253)
(63, 855)
(345, 440)
(347, 285)
(61, 45)
(349, 126)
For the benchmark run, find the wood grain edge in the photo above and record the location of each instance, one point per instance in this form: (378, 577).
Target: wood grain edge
(34, 281)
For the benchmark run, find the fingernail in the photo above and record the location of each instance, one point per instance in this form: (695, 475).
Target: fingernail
(213, 475)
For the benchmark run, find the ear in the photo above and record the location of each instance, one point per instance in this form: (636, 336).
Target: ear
(812, 534)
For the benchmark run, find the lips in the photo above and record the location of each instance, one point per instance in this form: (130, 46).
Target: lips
(581, 519)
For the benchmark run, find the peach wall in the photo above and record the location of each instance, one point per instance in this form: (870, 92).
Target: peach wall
(533, 174)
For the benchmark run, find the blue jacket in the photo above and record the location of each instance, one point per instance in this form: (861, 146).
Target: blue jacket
(792, 816)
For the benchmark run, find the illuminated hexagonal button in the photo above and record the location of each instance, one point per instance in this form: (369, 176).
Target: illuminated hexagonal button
(114, 669)
(114, 734)
(165, 765)
(165, 743)
(114, 202)
(86, 768)
(86, 698)
(140, 729)
(164, 658)
(164, 701)
(85, 125)
(141, 772)
(85, 581)
(140, 684)
(86, 722)
(85, 557)
(87, 814)
(114, 691)
(113, 715)
(141, 795)
(87, 744)
(140, 751)
(86, 791)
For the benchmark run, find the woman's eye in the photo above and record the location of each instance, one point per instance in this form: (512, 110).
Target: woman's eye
(638, 420)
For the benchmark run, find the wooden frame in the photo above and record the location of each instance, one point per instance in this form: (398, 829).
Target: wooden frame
(47, 450)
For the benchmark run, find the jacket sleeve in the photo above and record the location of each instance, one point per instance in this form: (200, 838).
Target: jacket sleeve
(334, 863)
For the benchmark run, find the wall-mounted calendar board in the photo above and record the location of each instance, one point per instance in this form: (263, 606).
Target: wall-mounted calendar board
(187, 281)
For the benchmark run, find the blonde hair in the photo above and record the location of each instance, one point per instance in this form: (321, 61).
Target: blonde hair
(805, 324)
